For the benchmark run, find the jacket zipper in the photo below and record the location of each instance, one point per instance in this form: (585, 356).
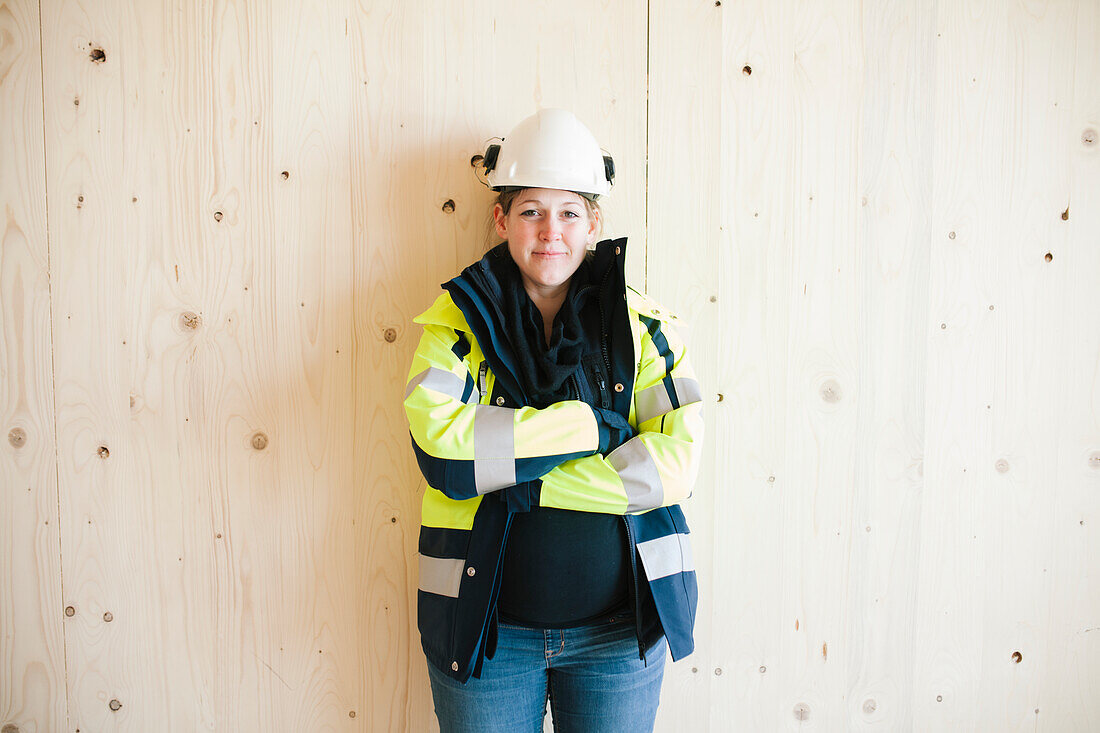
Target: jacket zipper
(629, 532)
(603, 323)
(634, 600)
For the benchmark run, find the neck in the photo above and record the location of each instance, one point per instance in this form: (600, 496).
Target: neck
(548, 300)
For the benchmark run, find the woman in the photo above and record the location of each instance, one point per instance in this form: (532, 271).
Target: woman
(558, 424)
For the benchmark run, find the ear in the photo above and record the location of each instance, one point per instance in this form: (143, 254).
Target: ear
(592, 224)
(499, 221)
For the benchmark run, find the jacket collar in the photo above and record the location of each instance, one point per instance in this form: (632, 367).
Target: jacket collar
(476, 300)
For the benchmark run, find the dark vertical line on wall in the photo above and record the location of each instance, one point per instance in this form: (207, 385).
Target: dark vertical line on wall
(53, 360)
(645, 268)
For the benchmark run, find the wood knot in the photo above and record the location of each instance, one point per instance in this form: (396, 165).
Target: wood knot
(70, 611)
(9, 728)
(830, 391)
(801, 711)
(477, 160)
(390, 334)
(1017, 657)
(191, 320)
(1088, 137)
(951, 235)
(259, 441)
(17, 437)
(114, 705)
(1048, 257)
(869, 706)
(103, 452)
(218, 216)
(108, 616)
(1065, 214)
(1001, 466)
(351, 713)
(746, 70)
(285, 175)
(97, 55)
(449, 206)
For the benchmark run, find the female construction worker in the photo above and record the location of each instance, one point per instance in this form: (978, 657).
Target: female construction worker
(558, 425)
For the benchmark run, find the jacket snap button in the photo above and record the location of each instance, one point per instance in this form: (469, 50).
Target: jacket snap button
(618, 386)
(454, 666)
(618, 250)
(500, 400)
(470, 571)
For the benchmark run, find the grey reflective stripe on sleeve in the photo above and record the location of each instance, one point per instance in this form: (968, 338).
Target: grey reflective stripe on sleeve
(440, 575)
(439, 380)
(638, 472)
(494, 448)
(687, 391)
(654, 401)
(666, 556)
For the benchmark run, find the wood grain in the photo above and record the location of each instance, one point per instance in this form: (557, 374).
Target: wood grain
(32, 648)
(685, 212)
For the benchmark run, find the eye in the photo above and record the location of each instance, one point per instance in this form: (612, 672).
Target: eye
(573, 214)
(529, 211)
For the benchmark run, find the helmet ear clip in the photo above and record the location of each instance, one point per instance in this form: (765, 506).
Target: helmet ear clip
(609, 167)
(491, 154)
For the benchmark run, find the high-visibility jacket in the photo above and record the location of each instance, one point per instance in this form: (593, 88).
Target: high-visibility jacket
(484, 452)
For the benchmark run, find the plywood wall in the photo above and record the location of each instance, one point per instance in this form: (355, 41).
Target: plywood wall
(880, 223)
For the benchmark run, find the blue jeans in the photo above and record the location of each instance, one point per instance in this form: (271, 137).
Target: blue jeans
(591, 674)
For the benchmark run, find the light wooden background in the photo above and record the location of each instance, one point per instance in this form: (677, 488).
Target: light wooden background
(880, 220)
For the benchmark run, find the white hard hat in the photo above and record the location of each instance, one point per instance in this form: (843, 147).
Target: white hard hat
(550, 149)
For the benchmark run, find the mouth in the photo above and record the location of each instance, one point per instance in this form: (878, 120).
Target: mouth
(549, 254)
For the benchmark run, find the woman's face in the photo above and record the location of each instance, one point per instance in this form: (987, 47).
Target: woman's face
(548, 231)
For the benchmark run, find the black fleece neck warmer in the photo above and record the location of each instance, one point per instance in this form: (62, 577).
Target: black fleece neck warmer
(542, 370)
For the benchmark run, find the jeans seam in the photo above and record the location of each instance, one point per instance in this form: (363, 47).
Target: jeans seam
(561, 645)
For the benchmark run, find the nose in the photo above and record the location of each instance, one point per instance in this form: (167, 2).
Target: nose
(551, 230)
